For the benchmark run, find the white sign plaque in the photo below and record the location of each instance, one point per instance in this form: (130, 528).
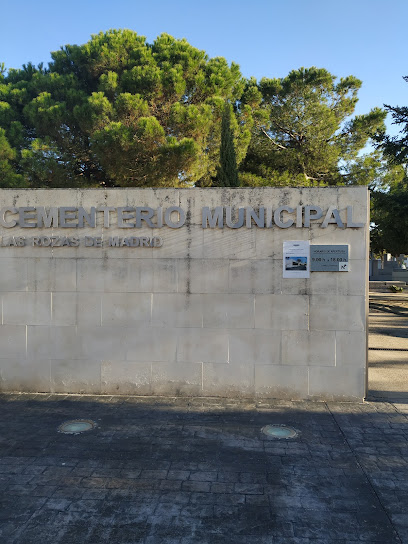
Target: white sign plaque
(296, 259)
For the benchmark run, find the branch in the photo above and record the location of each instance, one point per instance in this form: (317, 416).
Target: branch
(293, 135)
(273, 141)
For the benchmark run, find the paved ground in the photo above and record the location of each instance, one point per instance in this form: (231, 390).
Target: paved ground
(161, 471)
(388, 342)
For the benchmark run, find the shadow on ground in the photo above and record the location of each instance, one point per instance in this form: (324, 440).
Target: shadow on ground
(388, 350)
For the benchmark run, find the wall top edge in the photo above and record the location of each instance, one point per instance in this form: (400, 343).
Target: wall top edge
(187, 189)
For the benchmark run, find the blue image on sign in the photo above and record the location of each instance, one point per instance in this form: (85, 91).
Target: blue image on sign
(296, 263)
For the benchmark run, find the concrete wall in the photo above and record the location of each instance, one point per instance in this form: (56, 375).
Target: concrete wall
(400, 275)
(208, 313)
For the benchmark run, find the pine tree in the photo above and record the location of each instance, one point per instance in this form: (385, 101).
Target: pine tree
(396, 147)
(305, 133)
(227, 172)
(118, 111)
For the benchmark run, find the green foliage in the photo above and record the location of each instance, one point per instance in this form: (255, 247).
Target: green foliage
(389, 200)
(8, 176)
(303, 129)
(390, 219)
(118, 111)
(396, 289)
(272, 178)
(396, 147)
(227, 173)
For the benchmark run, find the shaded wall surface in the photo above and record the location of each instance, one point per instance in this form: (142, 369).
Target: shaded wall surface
(207, 313)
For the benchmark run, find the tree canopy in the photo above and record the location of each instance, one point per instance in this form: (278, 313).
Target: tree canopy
(389, 201)
(119, 111)
(389, 217)
(305, 132)
(396, 147)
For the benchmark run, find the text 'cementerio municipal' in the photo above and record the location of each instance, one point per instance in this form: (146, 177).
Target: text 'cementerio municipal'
(174, 217)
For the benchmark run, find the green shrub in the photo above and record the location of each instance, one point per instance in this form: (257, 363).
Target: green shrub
(395, 288)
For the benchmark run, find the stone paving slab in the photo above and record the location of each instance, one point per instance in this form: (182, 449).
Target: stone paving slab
(165, 471)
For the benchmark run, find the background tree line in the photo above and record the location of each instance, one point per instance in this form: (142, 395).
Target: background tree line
(118, 111)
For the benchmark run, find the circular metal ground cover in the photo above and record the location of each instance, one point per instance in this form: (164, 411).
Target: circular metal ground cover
(77, 426)
(280, 431)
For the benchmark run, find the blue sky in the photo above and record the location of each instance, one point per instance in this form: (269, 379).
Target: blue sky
(365, 38)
